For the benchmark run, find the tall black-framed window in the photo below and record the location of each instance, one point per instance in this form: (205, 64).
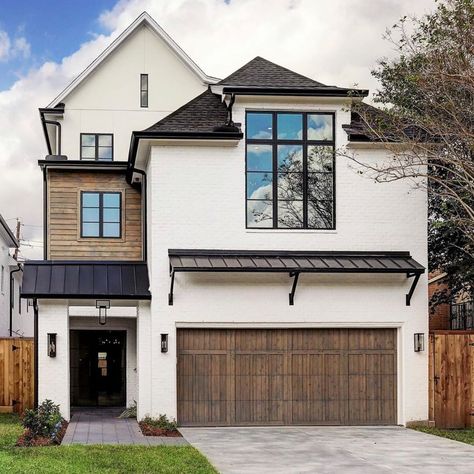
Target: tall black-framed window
(97, 146)
(101, 214)
(290, 170)
(143, 90)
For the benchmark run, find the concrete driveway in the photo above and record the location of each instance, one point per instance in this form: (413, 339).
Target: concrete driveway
(363, 450)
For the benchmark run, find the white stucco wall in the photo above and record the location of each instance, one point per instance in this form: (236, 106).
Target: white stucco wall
(197, 200)
(108, 101)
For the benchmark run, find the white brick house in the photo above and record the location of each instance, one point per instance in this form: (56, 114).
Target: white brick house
(230, 197)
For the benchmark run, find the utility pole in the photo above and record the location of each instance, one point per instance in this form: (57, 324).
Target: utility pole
(18, 227)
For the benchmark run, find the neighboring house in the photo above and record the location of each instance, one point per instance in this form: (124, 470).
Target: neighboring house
(440, 314)
(253, 277)
(15, 318)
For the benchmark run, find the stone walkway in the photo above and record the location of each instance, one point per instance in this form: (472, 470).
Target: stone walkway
(101, 426)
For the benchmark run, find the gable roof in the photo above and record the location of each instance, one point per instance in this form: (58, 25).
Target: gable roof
(260, 76)
(143, 19)
(7, 234)
(204, 113)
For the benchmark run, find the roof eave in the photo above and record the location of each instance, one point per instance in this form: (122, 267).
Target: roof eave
(10, 239)
(295, 91)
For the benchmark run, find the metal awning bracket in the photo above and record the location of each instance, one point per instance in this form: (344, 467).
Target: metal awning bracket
(295, 275)
(416, 277)
(170, 294)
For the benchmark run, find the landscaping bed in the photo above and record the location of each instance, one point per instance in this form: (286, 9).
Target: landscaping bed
(160, 426)
(99, 459)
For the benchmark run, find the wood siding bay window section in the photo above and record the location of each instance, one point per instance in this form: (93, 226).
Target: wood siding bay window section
(101, 214)
(290, 170)
(65, 187)
(294, 263)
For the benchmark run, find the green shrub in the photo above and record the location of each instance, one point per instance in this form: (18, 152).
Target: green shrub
(44, 422)
(162, 422)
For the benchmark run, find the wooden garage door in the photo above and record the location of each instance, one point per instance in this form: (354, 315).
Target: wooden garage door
(286, 376)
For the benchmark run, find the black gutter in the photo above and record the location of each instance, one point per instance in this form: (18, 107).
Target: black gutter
(35, 335)
(85, 296)
(137, 136)
(295, 91)
(83, 164)
(285, 253)
(12, 298)
(56, 111)
(144, 213)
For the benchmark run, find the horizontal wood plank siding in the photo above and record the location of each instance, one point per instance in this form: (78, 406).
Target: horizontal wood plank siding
(287, 376)
(64, 217)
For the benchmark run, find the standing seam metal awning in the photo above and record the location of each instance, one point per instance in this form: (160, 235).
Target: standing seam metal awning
(294, 263)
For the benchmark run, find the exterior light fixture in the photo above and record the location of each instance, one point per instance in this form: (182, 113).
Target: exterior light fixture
(419, 342)
(52, 344)
(30, 302)
(103, 306)
(164, 343)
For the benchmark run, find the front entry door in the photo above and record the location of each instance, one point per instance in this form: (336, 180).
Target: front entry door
(98, 368)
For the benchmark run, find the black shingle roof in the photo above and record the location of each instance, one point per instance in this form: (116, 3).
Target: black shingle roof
(81, 279)
(260, 72)
(203, 114)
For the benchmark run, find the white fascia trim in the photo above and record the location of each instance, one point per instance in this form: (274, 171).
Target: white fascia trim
(143, 19)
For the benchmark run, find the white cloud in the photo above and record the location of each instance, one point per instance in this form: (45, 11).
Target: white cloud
(333, 41)
(10, 49)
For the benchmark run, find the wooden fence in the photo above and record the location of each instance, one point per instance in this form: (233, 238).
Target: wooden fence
(451, 378)
(16, 374)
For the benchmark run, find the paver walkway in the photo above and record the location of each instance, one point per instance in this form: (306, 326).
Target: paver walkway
(101, 426)
(329, 450)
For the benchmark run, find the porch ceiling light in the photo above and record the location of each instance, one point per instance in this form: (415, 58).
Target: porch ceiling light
(103, 306)
(419, 342)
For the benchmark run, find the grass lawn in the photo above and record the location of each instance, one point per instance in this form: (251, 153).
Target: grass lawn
(96, 459)
(464, 435)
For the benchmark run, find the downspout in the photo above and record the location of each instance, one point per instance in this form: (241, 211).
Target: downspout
(12, 298)
(45, 214)
(144, 217)
(36, 311)
(230, 122)
(44, 122)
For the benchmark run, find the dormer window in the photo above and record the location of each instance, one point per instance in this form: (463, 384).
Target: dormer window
(97, 146)
(290, 170)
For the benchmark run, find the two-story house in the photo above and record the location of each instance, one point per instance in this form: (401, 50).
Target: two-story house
(211, 255)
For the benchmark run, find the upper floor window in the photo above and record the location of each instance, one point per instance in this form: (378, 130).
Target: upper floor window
(101, 214)
(143, 90)
(290, 170)
(97, 146)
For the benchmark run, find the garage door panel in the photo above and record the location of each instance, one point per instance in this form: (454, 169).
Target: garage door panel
(301, 376)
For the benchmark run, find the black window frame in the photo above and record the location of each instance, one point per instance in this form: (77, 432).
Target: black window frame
(101, 215)
(274, 141)
(96, 146)
(144, 103)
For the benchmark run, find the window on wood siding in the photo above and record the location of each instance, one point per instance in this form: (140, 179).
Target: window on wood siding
(290, 170)
(97, 146)
(101, 214)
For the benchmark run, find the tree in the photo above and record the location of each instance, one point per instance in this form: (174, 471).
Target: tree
(426, 120)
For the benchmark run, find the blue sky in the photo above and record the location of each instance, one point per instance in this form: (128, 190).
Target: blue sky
(50, 30)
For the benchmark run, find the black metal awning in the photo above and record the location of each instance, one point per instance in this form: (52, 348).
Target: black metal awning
(294, 263)
(83, 279)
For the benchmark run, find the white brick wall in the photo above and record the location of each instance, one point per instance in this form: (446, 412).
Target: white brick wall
(197, 200)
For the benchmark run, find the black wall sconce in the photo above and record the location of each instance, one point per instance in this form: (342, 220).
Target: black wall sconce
(164, 343)
(52, 344)
(103, 306)
(419, 342)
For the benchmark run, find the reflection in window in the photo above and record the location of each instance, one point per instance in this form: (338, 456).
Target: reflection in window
(290, 170)
(101, 214)
(97, 146)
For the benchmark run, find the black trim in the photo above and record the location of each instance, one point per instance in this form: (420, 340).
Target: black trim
(143, 192)
(12, 298)
(137, 136)
(274, 141)
(101, 215)
(96, 152)
(45, 213)
(296, 91)
(144, 103)
(50, 111)
(36, 361)
(83, 164)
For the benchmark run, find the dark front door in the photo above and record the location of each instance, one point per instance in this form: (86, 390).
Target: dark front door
(98, 368)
